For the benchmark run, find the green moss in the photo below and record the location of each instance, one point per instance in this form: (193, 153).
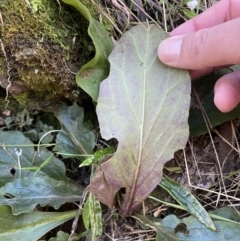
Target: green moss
(96, 9)
(44, 43)
(22, 98)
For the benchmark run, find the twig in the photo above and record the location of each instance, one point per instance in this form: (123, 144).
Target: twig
(8, 73)
(1, 19)
(164, 16)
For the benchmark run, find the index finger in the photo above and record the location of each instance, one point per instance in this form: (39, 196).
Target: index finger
(220, 12)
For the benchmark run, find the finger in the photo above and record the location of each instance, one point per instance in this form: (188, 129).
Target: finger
(227, 92)
(195, 74)
(220, 12)
(206, 48)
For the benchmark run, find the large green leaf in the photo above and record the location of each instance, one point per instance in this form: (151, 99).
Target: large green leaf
(204, 89)
(24, 194)
(74, 138)
(19, 158)
(144, 105)
(226, 221)
(92, 73)
(185, 198)
(31, 226)
(190, 229)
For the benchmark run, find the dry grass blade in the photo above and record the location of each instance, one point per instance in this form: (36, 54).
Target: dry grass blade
(223, 191)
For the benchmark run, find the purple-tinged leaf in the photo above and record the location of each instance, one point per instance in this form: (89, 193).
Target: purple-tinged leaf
(104, 190)
(144, 104)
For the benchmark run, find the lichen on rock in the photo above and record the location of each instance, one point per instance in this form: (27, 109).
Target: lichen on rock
(43, 45)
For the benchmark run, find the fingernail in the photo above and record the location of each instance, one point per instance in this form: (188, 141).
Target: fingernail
(169, 49)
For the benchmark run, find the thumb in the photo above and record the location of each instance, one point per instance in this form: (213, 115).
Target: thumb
(227, 92)
(210, 47)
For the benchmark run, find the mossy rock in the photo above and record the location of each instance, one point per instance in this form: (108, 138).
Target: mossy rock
(43, 45)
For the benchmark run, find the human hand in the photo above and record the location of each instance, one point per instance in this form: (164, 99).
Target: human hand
(206, 43)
